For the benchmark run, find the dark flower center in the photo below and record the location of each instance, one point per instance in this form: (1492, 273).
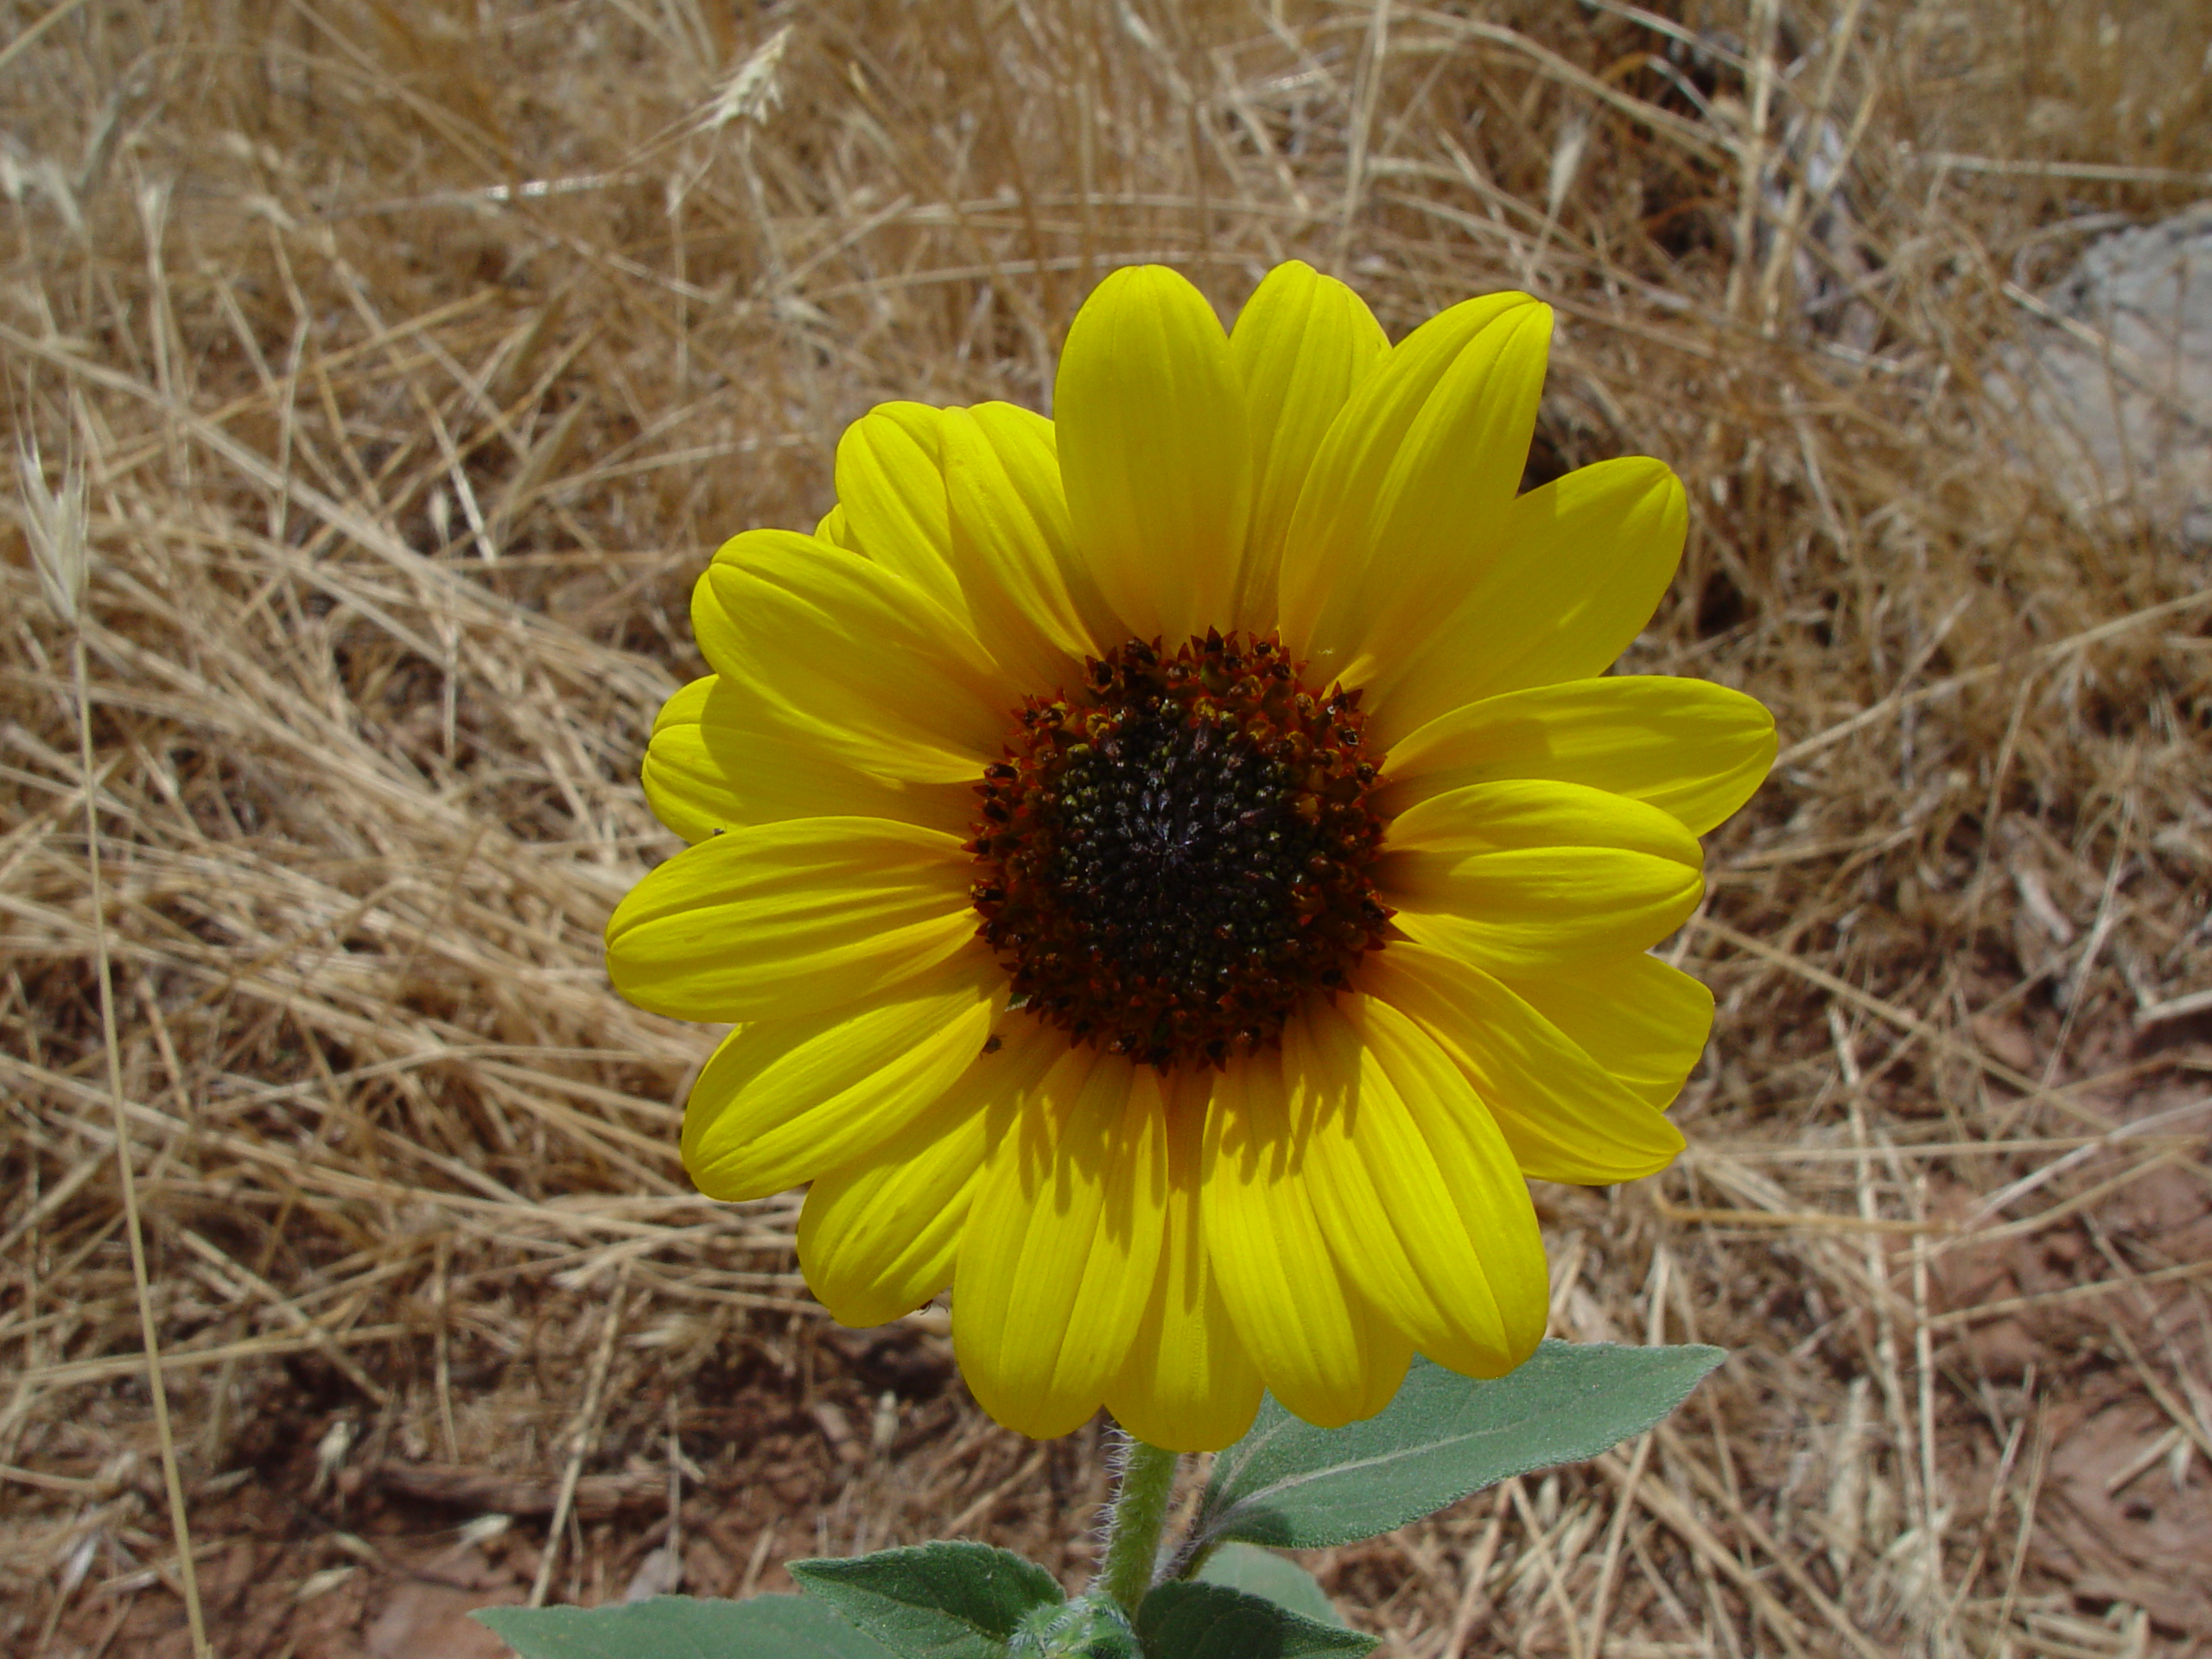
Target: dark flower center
(1174, 856)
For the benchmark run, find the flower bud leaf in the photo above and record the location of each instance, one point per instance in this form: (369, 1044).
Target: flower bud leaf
(1290, 1484)
(1090, 1627)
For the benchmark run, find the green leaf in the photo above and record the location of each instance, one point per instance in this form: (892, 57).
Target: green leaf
(1295, 1486)
(677, 1627)
(933, 1601)
(1186, 1619)
(1262, 1572)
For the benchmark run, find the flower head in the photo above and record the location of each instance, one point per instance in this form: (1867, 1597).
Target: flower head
(1176, 869)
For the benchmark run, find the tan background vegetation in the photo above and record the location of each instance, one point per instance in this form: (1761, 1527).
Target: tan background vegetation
(418, 351)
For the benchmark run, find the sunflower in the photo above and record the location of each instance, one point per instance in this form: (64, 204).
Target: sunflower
(1176, 870)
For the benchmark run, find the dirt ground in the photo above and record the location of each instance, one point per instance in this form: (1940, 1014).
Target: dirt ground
(414, 357)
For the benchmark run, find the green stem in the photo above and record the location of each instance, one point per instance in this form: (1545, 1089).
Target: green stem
(1135, 1522)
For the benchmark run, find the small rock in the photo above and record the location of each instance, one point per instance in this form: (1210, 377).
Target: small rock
(2118, 416)
(660, 1573)
(431, 1621)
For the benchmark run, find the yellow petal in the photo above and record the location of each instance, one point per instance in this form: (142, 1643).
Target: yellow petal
(783, 1100)
(1538, 909)
(1302, 343)
(1643, 1021)
(1475, 1165)
(1693, 749)
(1523, 812)
(853, 655)
(774, 921)
(1565, 1117)
(1062, 1245)
(686, 785)
(1320, 1345)
(878, 1237)
(718, 759)
(1029, 595)
(1395, 1226)
(1581, 565)
(891, 487)
(1154, 453)
(1409, 491)
(830, 528)
(1529, 875)
(1187, 1385)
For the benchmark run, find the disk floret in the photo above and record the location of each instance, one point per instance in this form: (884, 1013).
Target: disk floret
(1173, 856)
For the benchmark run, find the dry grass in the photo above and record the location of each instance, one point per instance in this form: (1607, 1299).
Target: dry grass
(418, 353)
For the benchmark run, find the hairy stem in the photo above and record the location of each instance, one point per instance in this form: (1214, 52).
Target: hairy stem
(1135, 1523)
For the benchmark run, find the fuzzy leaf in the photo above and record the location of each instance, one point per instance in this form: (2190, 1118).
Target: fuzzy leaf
(1187, 1619)
(933, 1601)
(680, 1627)
(1262, 1572)
(1293, 1485)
